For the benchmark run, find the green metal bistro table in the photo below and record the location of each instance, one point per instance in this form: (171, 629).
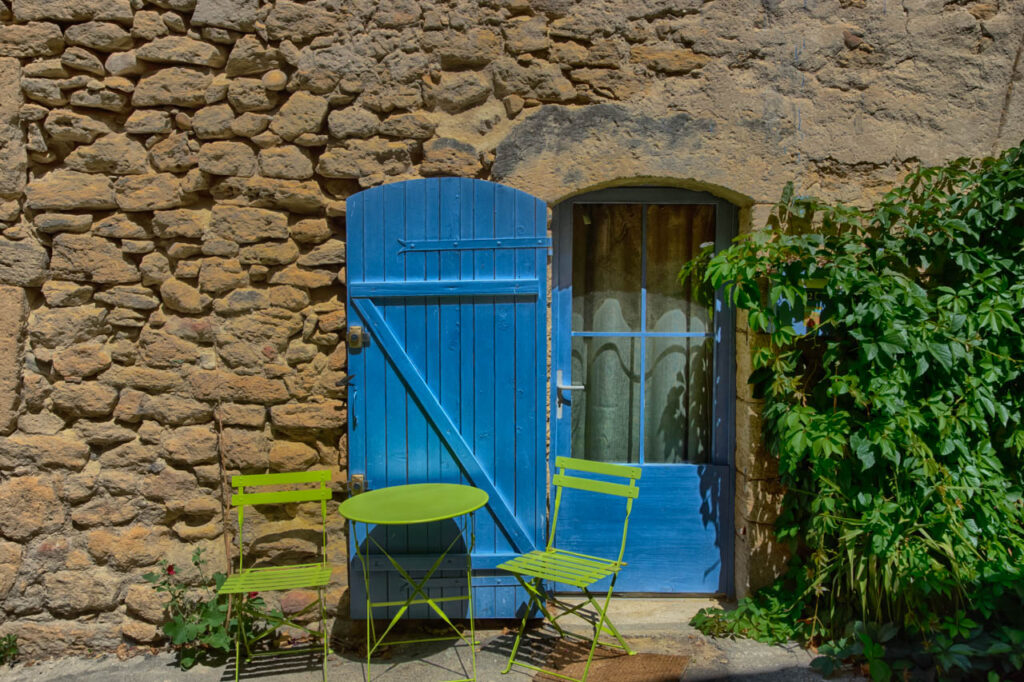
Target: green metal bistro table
(409, 505)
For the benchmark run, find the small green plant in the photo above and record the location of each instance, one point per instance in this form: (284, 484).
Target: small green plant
(8, 649)
(197, 618)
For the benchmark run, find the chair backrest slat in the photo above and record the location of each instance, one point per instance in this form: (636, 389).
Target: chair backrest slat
(281, 497)
(288, 478)
(561, 480)
(602, 468)
(595, 486)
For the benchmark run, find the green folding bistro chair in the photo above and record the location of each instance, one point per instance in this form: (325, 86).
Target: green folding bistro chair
(280, 578)
(572, 568)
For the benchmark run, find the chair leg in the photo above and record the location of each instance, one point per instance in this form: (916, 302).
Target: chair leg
(238, 634)
(532, 591)
(323, 629)
(607, 625)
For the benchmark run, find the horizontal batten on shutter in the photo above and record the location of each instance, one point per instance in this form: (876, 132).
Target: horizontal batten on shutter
(490, 287)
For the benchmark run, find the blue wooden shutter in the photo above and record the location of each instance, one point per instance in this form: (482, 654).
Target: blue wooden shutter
(448, 277)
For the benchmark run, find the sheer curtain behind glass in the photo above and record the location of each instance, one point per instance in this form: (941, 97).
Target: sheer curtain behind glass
(607, 289)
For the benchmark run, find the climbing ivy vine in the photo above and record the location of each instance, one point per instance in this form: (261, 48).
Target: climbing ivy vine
(890, 357)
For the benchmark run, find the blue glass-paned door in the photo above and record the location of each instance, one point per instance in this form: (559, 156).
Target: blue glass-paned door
(643, 374)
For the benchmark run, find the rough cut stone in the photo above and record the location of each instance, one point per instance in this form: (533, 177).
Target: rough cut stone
(250, 56)
(308, 417)
(59, 293)
(250, 124)
(31, 507)
(149, 192)
(52, 223)
(241, 301)
(352, 122)
(85, 258)
(447, 156)
(148, 122)
(182, 297)
(81, 360)
(176, 86)
(248, 94)
(270, 253)
(190, 446)
(34, 39)
(154, 268)
(298, 277)
(213, 122)
(285, 162)
(143, 378)
(182, 50)
(107, 100)
(669, 58)
(246, 449)
(241, 415)
(73, 10)
(82, 60)
(408, 126)
(176, 154)
(23, 263)
(291, 456)
(362, 158)
(302, 113)
(133, 297)
(237, 15)
(331, 252)
(135, 406)
(64, 190)
(113, 155)
(70, 593)
(221, 386)
(100, 36)
(123, 64)
(310, 231)
(299, 23)
(220, 275)
(527, 34)
(298, 196)
(227, 158)
(474, 48)
(65, 326)
(181, 223)
(70, 126)
(14, 312)
(248, 225)
(459, 91)
(89, 399)
(51, 451)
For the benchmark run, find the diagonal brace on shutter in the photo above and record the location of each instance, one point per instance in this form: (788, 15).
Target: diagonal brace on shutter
(446, 429)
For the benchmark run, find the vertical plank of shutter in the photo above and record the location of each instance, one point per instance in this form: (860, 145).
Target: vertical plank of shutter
(417, 347)
(376, 365)
(483, 363)
(504, 362)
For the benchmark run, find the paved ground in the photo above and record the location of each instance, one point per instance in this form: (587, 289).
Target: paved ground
(651, 625)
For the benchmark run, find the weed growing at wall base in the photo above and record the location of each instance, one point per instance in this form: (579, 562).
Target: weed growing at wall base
(892, 373)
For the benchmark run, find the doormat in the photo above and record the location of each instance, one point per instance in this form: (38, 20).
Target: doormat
(569, 657)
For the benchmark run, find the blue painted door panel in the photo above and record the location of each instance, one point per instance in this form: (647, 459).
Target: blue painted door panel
(447, 277)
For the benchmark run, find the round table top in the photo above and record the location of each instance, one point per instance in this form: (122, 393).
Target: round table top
(415, 503)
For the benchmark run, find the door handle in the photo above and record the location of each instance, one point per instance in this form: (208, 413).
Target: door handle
(560, 398)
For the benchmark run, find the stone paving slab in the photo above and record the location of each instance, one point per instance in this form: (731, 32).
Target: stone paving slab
(650, 625)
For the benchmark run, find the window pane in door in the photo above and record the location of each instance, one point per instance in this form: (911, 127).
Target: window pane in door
(677, 393)
(675, 235)
(606, 413)
(606, 260)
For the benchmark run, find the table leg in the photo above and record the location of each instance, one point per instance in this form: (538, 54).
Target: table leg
(417, 588)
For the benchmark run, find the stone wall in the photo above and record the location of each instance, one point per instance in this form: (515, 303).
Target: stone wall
(173, 176)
